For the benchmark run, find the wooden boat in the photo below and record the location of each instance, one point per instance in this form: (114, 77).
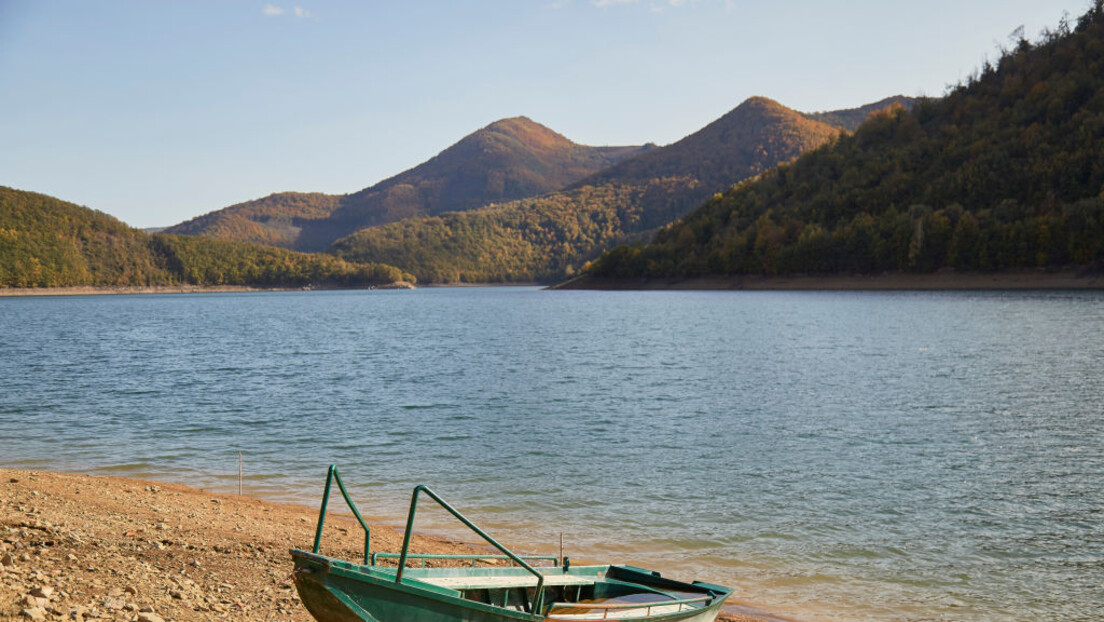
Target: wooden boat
(485, 589)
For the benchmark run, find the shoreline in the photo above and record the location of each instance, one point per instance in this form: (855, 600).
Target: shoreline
(76, 546)
(111, 290)
(942, 280)
(890, 281)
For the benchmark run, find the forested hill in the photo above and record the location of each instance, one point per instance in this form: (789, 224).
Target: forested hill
(46, 242)
(275, 220)
(749, 139)
(1007, 171)
(509, 159)
(851, 118)
(547, 237)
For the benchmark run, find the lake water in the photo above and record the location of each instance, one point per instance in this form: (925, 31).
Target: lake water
(835, 456)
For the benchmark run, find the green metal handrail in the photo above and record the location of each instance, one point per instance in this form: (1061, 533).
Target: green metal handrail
(420, 488)
(333, 475)
(475, 557)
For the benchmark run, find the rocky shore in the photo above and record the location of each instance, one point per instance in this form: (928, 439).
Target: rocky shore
(77, 547)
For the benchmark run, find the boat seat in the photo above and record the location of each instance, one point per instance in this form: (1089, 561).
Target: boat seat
(614, 614)
(493, 583)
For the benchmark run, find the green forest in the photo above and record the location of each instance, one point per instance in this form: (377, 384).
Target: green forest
(275, 220)
(539, 239)
(1006, 171)
(46, 242)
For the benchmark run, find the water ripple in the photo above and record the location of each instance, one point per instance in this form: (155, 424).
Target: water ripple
(892, 456)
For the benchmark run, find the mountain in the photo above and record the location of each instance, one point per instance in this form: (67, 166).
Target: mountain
(46, 242)
(546, 237)
(746, 141)
(509, 159)
(851, 118)
(1005, 172)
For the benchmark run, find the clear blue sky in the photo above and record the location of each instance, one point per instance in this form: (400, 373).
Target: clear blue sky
(156, 111)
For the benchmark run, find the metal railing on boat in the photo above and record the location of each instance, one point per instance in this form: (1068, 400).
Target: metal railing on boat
(538, 594)
(333, 476)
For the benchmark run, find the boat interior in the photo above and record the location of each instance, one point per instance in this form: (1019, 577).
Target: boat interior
(570, 593)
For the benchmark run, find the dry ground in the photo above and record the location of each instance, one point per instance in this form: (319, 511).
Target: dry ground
(76, 547)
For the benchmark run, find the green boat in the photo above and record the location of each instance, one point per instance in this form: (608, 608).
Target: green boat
(485, 588)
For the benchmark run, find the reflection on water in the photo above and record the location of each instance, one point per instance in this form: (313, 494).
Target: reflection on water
(832, 455)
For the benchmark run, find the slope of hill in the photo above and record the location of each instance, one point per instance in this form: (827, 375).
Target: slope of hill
(549, 236)
(746, 141)
(539, 239)
(1005, 172)
(851, 118)
(46, 242)
(275, 220)
(509, 159)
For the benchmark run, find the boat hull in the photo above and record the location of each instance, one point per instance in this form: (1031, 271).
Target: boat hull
(338, 591)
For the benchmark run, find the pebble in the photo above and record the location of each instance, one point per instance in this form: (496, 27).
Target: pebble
(35, 601)
(89, 560)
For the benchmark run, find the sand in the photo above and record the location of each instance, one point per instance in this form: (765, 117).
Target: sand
(78, 547)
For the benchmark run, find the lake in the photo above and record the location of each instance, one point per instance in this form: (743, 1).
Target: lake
(832, 455)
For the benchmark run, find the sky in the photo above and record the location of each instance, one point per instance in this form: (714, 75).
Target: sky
(156, 111)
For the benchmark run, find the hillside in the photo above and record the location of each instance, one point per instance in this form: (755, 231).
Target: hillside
(540, 239)
(275, 220)
(547, 237)
(46, 242)
(851, 118)
(509, 159)
(1006, 172)
(749, 139)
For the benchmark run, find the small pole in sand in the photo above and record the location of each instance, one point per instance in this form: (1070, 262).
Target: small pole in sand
(239, 473)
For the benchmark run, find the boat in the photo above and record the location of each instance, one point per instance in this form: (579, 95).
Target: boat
(390, 587)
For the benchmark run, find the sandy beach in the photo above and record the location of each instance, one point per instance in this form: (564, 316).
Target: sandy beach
(80, 547)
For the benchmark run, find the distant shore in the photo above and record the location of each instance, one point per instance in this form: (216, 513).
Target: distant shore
(87, 290)
(78, 546)
(893, 281)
